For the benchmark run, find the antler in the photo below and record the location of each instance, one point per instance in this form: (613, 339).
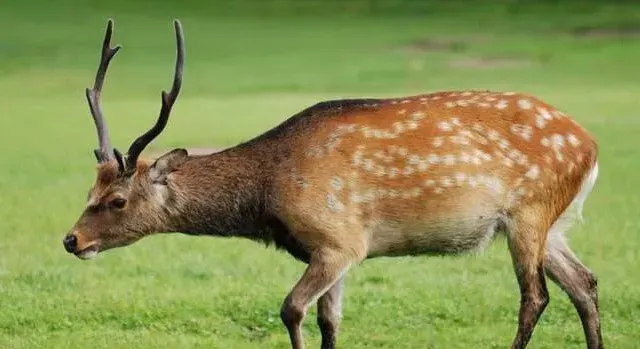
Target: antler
(167, 103)
(105, 151)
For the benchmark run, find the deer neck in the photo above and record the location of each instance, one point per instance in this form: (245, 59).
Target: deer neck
(220, 194)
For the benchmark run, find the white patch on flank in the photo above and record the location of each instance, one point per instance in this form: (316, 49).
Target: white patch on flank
(524, 131)
(455, 121)
(449, 104)
(398, 127)
(408, 171)
(418, 115)
(334, 204)
(433, 159)
(542, 117)
(423, 165)
(502, 104)
(449, 159)
(573, 140)
(368, 165)
(533, 173)
(393, 172)
(524, 104)
(413, 159)
(545, 142)
(429, 183)
(460, 178)
(438, 141)
(412, 125)
(337, 183)
(493, 135)
(445, 126)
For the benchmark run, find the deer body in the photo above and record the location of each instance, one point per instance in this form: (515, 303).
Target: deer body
(347, 180)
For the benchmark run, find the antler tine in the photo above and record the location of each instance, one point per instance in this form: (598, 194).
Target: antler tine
(168, 99)
(104, 153)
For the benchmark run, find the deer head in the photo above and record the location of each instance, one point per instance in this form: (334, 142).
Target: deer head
(126, 201)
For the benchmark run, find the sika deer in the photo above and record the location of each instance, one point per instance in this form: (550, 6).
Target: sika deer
(347, 180)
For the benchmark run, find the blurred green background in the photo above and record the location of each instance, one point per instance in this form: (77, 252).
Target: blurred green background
(250, 65)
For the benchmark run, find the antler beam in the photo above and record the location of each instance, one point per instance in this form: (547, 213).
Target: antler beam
(105, 151)
(168, 99)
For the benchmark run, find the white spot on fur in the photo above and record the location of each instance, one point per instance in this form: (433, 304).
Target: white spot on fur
(393, 172)
(524, 131)
(533, 173)
(460, 178)
(418, 115)
(337, 183)
(459, 140)
(502, 104)
(524, 104)
(449, 159)
(433, 159)
(445, 126)
(423, 165)
(412, 125)
(542, 117)
(464, 157)
(449, 104)
(573, 140)
(429, 183)
(438, 141)
(334, 204)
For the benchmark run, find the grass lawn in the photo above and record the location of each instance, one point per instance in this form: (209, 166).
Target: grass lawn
(247, 70)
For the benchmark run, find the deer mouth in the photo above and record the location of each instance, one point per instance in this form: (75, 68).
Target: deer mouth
(88, 253)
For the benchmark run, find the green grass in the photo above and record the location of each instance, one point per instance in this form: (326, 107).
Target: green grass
(245, 72)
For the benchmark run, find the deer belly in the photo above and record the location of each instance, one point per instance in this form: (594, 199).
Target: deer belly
(437, 235)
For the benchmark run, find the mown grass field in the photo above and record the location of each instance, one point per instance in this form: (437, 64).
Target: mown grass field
(248, 69)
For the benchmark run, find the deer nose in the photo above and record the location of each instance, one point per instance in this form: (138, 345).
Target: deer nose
(70, 243)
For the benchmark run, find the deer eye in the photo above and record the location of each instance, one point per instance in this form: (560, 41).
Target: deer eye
(118, 203)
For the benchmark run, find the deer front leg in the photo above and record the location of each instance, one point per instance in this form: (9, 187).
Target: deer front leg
(324, 270)
(330, 314)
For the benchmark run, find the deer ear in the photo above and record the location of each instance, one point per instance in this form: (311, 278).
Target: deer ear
(166, 164)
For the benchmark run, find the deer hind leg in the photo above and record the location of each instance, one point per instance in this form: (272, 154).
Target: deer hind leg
(566, 270)
(330, 314)
(326, 267)
(526, 239)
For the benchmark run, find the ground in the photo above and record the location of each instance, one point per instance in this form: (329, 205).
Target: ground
(245, 72)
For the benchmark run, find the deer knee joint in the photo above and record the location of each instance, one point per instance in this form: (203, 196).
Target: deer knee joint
(290, 313)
